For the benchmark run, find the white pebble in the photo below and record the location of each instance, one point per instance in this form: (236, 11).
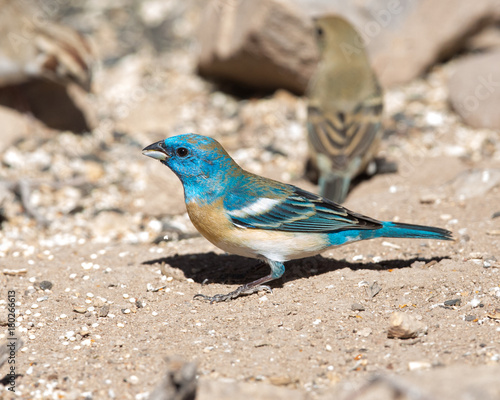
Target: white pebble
(475, 302)
(416, 365)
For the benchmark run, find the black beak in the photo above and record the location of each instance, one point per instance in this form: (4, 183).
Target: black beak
(156, 150)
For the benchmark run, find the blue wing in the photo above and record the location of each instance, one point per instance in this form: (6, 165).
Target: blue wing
(265, 204)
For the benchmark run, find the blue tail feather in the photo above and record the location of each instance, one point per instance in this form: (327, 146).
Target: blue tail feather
(397, 230)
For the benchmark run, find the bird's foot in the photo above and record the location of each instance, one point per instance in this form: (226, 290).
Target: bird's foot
(242, 290)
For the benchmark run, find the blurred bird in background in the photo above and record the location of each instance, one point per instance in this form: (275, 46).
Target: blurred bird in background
(344, 110)
(252, 216)
(33, 46)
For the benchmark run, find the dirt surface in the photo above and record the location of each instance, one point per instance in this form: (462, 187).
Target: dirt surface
(120, 298)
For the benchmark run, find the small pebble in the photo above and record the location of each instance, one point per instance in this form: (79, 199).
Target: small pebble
(45, 285)
(139, 304)
(453, 302)
(475, 302)
(357, 307)
(470, 318)
(417, 365)
(103, 311)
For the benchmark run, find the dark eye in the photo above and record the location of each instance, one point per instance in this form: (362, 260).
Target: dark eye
(182, 152)
(319, 32)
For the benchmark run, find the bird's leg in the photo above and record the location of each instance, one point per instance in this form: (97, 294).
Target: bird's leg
(277, 270)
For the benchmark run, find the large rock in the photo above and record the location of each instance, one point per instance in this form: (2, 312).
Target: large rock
(269, 44)
(263, 44)
(474, 90)
(426, 32)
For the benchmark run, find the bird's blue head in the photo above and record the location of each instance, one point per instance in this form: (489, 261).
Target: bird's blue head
(201, 163)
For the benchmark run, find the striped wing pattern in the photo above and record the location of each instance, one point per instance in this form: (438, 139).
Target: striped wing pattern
(344, 136)
(301, 211)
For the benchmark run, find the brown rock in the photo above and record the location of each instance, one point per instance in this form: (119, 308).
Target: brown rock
(474, 90)
(405, 326)
(272, 49)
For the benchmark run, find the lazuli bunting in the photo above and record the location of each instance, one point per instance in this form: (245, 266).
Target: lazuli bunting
(344, 108)
(256, 217)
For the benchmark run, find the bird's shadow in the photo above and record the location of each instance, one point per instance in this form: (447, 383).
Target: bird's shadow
(232, 269)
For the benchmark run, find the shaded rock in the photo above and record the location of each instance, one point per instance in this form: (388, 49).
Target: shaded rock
(474, 90)
(405, 326)
(179, 383)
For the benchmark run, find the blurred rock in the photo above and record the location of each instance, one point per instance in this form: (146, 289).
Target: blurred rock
(112, 224)
(474, 90)
(474, 183)
(487, 39)
(14, 127)
(179, 383)
(421, 33)
(265, 44)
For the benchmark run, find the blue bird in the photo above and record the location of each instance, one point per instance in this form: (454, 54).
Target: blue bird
(252, 216)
